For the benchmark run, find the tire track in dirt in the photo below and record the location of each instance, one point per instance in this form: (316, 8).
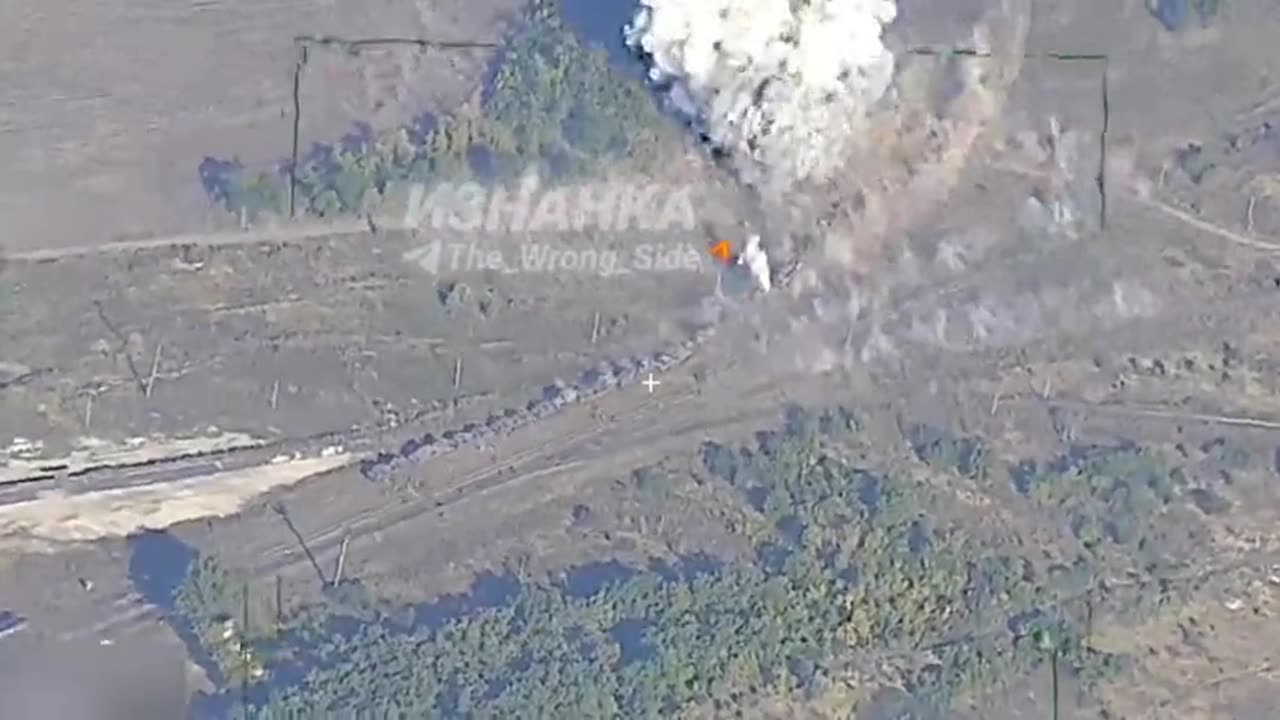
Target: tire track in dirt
(1236, 313)
(595, 443)
(1164, 413)
(633, 418)
(632, 413)
(586, 452)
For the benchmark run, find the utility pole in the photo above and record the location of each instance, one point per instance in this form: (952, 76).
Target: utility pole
(1054, 663)
(342, 559)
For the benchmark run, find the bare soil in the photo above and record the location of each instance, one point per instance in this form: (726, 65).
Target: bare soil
(1003, 303)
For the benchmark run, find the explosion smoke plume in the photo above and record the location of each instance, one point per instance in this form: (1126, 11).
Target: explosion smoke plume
(782, 86)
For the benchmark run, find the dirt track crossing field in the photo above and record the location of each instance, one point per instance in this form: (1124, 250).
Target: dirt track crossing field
(963, 276)
(585, 441)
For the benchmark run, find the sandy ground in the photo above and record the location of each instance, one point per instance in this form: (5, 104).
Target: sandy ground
(58, 518)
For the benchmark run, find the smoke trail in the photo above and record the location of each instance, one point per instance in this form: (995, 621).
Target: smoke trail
(781, 86)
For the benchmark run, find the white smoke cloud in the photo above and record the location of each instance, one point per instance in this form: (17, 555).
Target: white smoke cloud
(780, 85)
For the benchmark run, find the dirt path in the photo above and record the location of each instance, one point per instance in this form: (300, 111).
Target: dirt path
(288, 232)
(590, 438)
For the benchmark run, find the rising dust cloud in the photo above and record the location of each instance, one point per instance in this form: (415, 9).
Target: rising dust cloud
(781, 86)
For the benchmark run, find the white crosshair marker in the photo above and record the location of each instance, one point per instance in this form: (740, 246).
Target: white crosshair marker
(651, 383)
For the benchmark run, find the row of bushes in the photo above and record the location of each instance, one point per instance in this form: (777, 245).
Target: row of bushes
(855, 565)
(552, 102)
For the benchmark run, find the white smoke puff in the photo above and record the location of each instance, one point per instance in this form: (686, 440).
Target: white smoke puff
(757, 263)
(782, 84)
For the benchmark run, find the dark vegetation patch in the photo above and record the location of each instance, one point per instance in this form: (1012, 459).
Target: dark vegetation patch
(1178, 15)
(1108, 496)
(1208, 501)
(853, 567)
(10, 622)
(552, 102)
(1227, 455)
(942, 449)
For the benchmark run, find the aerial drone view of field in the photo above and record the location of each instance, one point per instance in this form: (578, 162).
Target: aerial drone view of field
(570, 359)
